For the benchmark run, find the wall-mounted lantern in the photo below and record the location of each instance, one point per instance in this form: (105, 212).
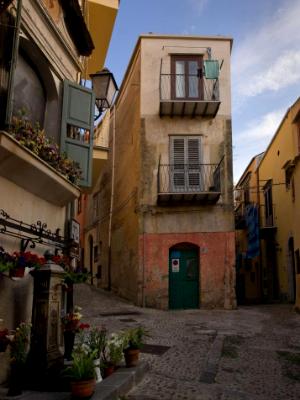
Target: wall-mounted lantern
(105, 88)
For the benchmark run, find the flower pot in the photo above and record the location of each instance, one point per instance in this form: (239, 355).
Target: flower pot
(17, 272)
(131, 357)
(108, 370)
(69, 339)
(3, 345)
(83, 389)
(16, 380)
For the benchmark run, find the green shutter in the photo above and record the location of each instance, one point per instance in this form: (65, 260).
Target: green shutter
(77, 127)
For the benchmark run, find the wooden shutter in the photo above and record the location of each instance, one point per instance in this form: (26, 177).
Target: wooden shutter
(77, 128)
(178, 163)
(193, 161)
(185, 163)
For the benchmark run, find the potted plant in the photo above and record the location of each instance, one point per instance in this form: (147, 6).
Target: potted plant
(82, 374)
(19, 346)
(96, 341)
(71, 325)
(6, 261)
(112, 354)
(4, 339)
(133, 342)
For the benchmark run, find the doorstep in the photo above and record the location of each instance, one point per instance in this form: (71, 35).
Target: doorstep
(111, 388)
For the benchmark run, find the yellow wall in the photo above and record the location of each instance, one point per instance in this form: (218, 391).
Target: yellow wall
(283, 148)
(101, 15)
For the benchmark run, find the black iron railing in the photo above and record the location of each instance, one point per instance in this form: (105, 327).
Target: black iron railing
(180, 87)
(189, 178)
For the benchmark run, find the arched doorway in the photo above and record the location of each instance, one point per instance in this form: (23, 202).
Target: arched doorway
(184, 276)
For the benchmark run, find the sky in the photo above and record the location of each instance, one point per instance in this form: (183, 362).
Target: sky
(265, 63)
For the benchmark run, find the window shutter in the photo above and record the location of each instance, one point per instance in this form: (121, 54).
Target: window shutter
(77, 127)
(178, 161)
(193, 161)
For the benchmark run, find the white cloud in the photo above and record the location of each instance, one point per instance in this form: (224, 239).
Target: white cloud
(198, 5)
(262, 129)
(269, 59)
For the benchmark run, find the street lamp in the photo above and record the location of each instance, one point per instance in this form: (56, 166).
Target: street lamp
(105, 88)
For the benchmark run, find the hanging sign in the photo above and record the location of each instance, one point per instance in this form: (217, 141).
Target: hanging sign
(175, 265)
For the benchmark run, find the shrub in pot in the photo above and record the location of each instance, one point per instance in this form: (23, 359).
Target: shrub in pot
(133, 342)
(82, 374)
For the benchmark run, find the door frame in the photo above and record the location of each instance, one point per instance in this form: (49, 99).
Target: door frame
(185, 246)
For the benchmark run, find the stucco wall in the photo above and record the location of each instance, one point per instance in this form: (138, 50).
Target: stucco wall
(216, 260)
(16, 295)
(283, 148)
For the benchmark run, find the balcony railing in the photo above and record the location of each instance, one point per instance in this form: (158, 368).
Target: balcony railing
(188, 95)
(189, 182)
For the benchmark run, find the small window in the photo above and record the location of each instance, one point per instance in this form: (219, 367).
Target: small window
(187, 77)
(96, 253)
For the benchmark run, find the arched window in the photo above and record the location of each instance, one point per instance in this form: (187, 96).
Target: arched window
(29, 92)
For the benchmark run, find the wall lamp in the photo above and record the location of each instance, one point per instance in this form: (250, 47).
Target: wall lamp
(105, 88)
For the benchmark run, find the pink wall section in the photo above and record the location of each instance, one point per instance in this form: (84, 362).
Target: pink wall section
(217, 267)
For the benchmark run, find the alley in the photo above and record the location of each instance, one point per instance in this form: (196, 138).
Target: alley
(251, 353)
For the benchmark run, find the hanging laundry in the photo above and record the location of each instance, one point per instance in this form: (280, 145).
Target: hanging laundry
(211, 69)
(253, 231)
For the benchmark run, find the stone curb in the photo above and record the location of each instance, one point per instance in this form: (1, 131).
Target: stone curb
(111, 388)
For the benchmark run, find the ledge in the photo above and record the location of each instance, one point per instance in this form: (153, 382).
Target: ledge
(22, 167)
(111, 388)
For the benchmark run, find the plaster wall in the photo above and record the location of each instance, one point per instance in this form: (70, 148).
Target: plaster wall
(16, 295)
(283, 148)
(217, 267)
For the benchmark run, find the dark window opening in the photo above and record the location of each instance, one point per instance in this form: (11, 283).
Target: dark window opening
(268, 204)
(297, 256)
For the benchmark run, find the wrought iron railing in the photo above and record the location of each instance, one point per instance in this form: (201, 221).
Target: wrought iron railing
(188, 88)
(189, 178)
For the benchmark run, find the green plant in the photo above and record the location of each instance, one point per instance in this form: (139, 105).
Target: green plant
(96, 340)
(113, 350)
(35, 139)
(19, 343)
(82, 367)
(134, 338)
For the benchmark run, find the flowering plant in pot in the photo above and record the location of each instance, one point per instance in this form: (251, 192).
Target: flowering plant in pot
(133, 342)
(19, 346)
(82, 374)
(18, 260)
(4, 341)
(6, 261)
(112, 354)
(71, 325)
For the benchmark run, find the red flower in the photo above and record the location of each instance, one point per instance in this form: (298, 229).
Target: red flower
(84, 326)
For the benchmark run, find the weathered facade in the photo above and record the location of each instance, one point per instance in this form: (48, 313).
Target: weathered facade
(41, 62)
(275, 188)
(165, 216)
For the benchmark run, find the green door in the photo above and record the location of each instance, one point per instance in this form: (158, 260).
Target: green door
(183, 279)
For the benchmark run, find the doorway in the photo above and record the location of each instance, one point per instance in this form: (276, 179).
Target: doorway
(184, 276)
(291, 271)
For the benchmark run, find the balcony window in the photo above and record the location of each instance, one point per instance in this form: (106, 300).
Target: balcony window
(268, 204)
(186, 77)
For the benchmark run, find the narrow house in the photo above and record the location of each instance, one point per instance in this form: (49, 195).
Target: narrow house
(163, 204)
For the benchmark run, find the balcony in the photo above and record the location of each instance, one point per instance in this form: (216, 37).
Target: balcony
(188, 95)
(189, 183)
(267, 220)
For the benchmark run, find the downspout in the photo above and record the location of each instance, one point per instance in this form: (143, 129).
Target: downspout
(111, 198)
(14, 59)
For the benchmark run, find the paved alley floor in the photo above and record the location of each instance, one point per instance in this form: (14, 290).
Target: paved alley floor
(252, 353)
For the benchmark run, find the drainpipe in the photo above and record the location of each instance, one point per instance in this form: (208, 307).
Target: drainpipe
(14, 59)
(111, 197)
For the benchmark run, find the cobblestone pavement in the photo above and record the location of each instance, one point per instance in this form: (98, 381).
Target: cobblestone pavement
(252, 353)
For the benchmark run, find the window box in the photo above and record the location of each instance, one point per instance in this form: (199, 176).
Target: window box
(25, 169)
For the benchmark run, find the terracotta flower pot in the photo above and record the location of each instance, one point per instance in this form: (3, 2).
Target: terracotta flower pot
(131, 357)
(108, 370)
(83, 389)
(17, 272)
